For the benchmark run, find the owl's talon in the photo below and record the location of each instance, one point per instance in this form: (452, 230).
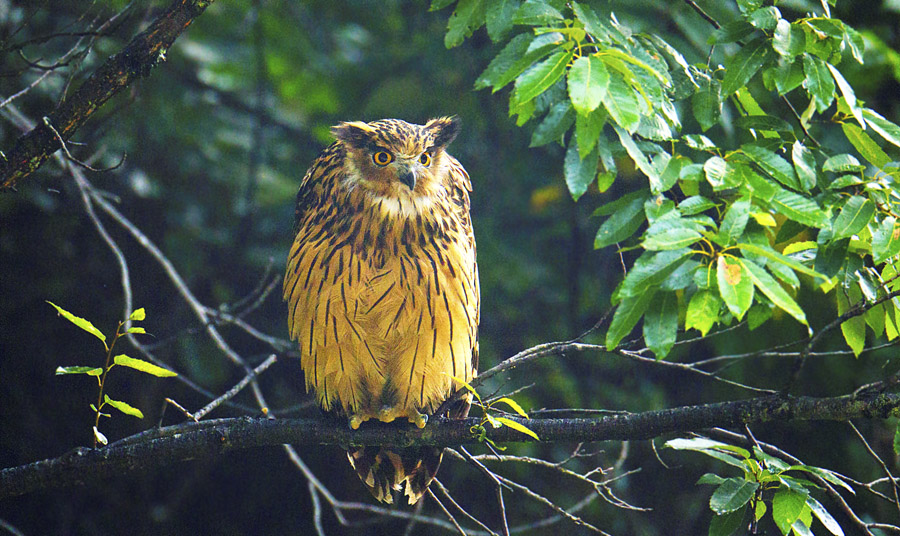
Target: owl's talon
(355, 421)
(419, 419)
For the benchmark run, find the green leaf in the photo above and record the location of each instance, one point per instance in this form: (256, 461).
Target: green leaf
(826, 518)
(621, 103)
(849, 95)
(710, 478)
(695, 204)
(123, 407)
(535, 13)
(773, 290)
(741, 67)
(731, 32)
(649, 270)
(731, 495)
(800, 209)
(884, 128)
(716, 170)
(865, 145)
(764, 123)
(706, 103)
(735, 221)
(778, 257)
(853, 329)
(789, 40)
(626, 317)
(765, 18)
(555, 124)
(854, 216)
(518, 427)
(591, 21)
(143, 366)
(623, 223)
(886, 240)
(80, 322)
(580, 173)
(514, 405)
(540, 77)
(499, 18)
(661, 324)
(703, 311)
(468, 16)
(90, 371)
(819, 82)
(509, 63)
(897, 439)
(670, 234)
(136, 329)
(588, 80)
(843, 163)
(727, 524)
(640, 160)
(787, 505)
(804, 165)
(588, 129)
(138, 315)
(778, 168)
(735, 285)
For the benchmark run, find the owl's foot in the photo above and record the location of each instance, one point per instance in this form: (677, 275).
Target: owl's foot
(356, 420)
(419, 419)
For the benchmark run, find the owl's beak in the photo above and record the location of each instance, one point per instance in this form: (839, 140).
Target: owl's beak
(408, 178)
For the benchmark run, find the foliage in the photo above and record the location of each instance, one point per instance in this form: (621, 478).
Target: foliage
(488, 418)
(764, 488)
(724, 228)
(124, 328)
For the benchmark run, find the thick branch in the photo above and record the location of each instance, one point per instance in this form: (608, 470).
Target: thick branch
(160, 447)
(135, 61)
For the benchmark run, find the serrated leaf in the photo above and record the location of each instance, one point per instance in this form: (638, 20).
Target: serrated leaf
(124, 407)
(90, 371)
(649, 270)
(884, 128)
(590, 20)
(534, 13)
(626, 317)
(703, 311)
(588, 129)
(775, 166)
(695, 205)
(764, 123)
(783, 259)
(518, 427)
(588, 80)
(580, 173)
(787, 505)
(849, 95)
(143, 366)
(555, 124)
(886, 240)
(773, 290)
(639, 158)
(80, 322)
(621, 103)
(731, 495)
(842, 163)
(541, 76)
(661, 324)
(800, 209)
(499, 18)
(865, 145)
(804, 165)
(463, 21)
(735, 221)
(853, 329)
(727, 524)
(741, 67)
(819, 82)
(789, 40)
(731, 32)
(622, 223)
(854, 216)
(706, 103)
(138, 315)
(673, 237)
(735, 286)
(513, 404)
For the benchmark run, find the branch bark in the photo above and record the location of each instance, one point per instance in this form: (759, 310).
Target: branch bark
(135, 61)
(163, 446)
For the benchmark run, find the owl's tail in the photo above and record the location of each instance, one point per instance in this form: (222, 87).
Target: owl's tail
(383, 470)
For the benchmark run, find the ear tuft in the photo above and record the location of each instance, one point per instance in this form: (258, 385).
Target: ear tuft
(444, 130)
(354, 133)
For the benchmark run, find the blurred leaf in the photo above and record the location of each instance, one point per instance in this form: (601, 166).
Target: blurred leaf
(499, 18)
(731, 32)
(467, 17)
(853, 329)
(138, 315)
(514, 405)
(536, 13)
(555, 125)
(518, 427)
(623, 223)
(100, 437)
(580, 173)
(661, 324)
(727, 524)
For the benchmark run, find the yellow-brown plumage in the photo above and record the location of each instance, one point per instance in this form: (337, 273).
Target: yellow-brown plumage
(382, 286)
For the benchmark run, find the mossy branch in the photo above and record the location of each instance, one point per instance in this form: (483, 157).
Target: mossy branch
(160, 447)
(135, 61)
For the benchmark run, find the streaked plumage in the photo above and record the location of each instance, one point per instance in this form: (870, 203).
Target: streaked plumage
(382, 286)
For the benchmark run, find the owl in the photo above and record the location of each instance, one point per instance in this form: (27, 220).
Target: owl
(382, 287)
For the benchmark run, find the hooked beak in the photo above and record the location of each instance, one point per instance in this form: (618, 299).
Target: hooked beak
(408, 178)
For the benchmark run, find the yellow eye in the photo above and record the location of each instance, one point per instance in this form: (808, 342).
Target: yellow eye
(425, 159)
(382, 158)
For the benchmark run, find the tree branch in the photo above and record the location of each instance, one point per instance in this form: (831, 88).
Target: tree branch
(163, 446)
(135, 61)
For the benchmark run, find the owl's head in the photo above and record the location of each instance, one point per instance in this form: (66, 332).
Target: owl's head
(393, 159)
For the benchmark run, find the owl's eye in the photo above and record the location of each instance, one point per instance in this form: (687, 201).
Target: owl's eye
(382, 158)
(425, 159)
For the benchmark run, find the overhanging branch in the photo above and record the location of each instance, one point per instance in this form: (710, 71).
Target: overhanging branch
(160, 447)
(135, 61)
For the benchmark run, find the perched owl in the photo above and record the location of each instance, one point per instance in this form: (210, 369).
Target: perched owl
(382, 287)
